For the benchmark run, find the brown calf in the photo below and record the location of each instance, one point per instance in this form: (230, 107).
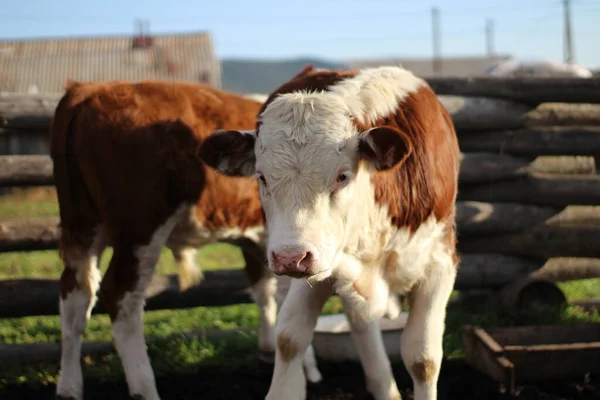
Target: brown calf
(128, 175)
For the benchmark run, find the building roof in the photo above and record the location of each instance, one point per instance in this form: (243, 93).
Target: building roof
(45, 64)
(451, 66)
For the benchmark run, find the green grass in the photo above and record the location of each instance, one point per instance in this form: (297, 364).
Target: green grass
(171, 354)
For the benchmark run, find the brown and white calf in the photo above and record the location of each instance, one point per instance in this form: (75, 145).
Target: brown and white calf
(128, 175)
(358, 174)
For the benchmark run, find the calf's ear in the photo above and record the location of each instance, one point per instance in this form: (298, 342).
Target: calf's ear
(384, 147)
(230, 152)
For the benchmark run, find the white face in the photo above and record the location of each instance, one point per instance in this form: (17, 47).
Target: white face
(309, 182)
(315, 168)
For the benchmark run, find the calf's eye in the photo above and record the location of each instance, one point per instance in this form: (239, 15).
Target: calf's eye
(341, 178)
(261, 178)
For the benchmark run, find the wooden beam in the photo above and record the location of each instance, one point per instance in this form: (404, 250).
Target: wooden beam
(25, 171)
(23, 111)
(531, 90)
(492, 270)
(29, 234)
(487, 167)
(529, 294)
(487, 219)
(537, 189)
(566, 141)
(487, 113)
(492, 219)
(28, 297)
(541, 242)
(564, 269)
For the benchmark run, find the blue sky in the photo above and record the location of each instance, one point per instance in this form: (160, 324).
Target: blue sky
(331, 29)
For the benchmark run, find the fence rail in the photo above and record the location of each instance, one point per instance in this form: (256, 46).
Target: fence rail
(527, 207)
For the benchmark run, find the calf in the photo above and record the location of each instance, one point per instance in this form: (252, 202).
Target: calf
(358, 174)
(128, 175)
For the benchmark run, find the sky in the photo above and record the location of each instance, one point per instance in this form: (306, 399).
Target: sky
(335, 30)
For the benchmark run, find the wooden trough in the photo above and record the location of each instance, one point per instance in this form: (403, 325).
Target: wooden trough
(533, 353)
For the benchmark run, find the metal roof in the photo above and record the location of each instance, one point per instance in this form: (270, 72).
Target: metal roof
(451, 66)
(46, 63)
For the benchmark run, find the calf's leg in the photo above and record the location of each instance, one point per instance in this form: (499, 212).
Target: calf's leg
(123, 288)
(421, 343)
(311, 368)
(375, 362)
(79, 283)
(189, 272)
(295, 326)
(269, 293)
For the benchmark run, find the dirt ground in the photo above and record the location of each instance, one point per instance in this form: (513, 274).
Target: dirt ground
(458, 382)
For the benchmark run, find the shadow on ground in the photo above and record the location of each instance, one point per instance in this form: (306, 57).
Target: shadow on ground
(341, 381)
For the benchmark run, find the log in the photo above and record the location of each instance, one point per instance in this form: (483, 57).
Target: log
(529, 294)
(487, 167)
(587, 304)
(562, 269)
(29, 234)
(33, 297)
(563, 114)
(489, 271)
(483, 219)
(541, 242)
(575, 141)
(488, 219)
(484, 113)
(530, 90)
(25, 111)
(26, 170)
(487, 113)
(537, 189)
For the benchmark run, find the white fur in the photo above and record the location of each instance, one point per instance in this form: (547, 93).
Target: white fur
(263, 294)
(128, 329)
(309, 361)
(376, 365)
(424, 330)
(297, 320)
(75, 312)
(376, 92)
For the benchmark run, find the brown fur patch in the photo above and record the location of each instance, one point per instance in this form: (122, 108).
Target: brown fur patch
(125, 155)
(287, 347)
(68, 282)
(423, 371)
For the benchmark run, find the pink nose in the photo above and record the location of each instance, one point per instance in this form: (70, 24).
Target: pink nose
(292, 263)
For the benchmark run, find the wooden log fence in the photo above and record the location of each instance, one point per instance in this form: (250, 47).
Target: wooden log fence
(527, 207)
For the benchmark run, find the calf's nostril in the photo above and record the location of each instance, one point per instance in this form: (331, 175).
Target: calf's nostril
(305, 262)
